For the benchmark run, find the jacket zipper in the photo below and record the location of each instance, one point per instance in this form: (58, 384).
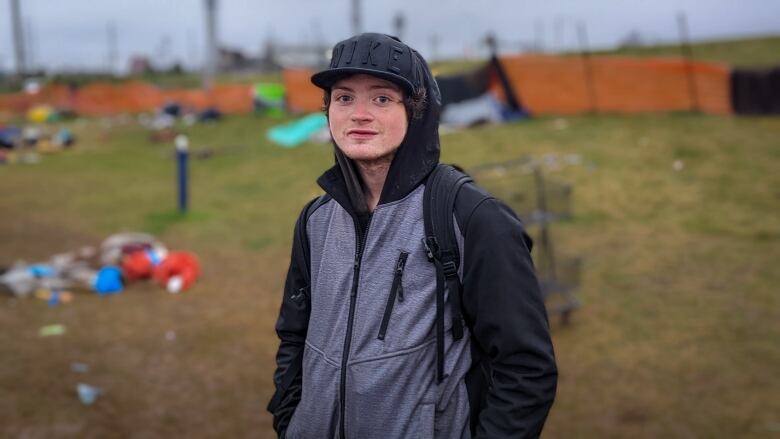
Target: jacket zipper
(348, 337)
(396, 289)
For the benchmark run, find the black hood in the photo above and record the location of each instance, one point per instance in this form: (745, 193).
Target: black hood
(418, 153)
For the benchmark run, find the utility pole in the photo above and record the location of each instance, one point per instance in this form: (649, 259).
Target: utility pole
(113, 52)
(435, 39)
(18, 33)
(355, 17)
(582, 33)
(192, 49)
(685, 48)
(558, 27)
(539, 35)
(30, 50)
(399, 24)
(210, 66)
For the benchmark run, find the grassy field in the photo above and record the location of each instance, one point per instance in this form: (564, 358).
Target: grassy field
(677, 336)
(746, 52)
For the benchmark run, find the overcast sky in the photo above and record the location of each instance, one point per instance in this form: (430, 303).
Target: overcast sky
(71, 34)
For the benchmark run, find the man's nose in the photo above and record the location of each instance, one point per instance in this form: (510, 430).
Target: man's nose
(361, 111)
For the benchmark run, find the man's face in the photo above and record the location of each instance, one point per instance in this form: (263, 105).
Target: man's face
(367, 117)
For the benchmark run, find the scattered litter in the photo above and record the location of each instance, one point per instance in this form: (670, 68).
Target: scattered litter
(211, 114)
(163, 135)
(189, 119)
(42, 270)
(678, 165)
(177, 271)
(108, 281)
(573, 159)
(63, 138)
(203, 153)
(88, 394)
(122, 258)
(19, 280)
(269, 98)
(28, 158)
(54, 300)
(560, 124)
(170, 335)
(9, 136)
(79, 367)
(472, 112)
(115, 247)
(140, 264)
(551, 162)
(22, 145)
(42, 113)
(52, 330)
(296, 132)
(31, 135)
(172, 109)
(162, 121)
(54, 296)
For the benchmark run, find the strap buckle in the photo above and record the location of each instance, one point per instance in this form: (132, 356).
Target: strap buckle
(449, 268)
(431, 247)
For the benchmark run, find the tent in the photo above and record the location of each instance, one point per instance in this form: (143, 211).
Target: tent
(756, 91)
(483, 94)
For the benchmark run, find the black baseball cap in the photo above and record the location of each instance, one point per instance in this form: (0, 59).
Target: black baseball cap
(379, 55)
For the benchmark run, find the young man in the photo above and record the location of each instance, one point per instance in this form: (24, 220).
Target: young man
(360, 354)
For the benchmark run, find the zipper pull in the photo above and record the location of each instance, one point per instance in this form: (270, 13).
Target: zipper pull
(399, 272)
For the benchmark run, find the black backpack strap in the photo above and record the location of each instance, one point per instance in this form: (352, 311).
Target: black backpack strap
(302, 259)
(441, 247)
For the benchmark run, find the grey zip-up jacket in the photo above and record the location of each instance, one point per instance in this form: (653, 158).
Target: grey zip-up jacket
(357, 357)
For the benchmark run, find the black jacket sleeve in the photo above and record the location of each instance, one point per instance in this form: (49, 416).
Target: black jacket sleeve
(291, 327)
(503, 305)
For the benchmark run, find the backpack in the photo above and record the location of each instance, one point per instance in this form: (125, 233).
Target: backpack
(441, 247)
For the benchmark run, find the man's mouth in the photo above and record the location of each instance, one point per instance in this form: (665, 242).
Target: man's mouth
(361, 133)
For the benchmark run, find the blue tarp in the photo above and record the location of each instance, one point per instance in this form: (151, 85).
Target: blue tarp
(296, 132)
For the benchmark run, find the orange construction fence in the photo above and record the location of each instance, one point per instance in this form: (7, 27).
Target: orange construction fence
(543, 84)
(301, 95)
(564, 85)
(561, 85)
(134, 96)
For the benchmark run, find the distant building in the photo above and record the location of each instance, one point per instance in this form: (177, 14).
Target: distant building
(301, 56)
(236, 61)
(139, 65)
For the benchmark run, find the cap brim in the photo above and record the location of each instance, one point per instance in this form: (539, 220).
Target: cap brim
(326, 78)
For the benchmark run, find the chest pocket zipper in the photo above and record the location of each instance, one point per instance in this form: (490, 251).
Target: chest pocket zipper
(397, 289)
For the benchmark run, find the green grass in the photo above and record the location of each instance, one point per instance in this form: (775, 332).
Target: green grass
(747, 52)
(677, 336)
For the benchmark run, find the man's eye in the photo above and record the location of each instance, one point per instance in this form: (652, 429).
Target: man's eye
(343, 98)
(383, 99)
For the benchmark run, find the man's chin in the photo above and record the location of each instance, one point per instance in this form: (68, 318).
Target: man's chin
(360, 153)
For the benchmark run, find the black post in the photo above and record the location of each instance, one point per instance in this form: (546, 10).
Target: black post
(687, 53)
(544, 218)
(582, 33)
